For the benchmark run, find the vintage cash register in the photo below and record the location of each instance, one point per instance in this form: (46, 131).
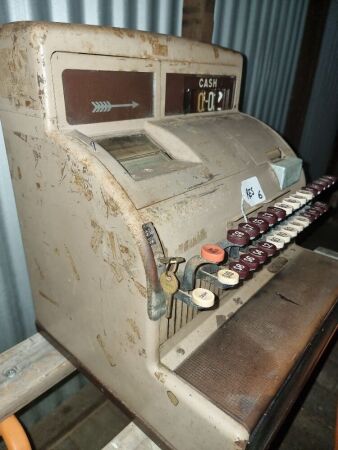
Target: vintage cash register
(159, 226)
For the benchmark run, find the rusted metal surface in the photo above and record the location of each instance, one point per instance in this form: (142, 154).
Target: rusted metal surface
(243, 365)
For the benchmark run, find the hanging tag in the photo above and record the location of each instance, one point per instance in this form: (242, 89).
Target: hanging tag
(252, 191)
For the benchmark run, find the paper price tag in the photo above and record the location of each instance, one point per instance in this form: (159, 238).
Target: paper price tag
(252, 191)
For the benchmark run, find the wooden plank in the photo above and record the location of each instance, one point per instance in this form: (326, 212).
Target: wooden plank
(27, 370)
(131, 438)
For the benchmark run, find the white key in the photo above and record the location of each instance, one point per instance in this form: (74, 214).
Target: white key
(299, 226)
(306, 194)
(283, 236)
(203, 297)
(288, 229)
(292, 202)
(299, 199)
(287, 208)
(228, 277)
(276, 241)
(302, 219)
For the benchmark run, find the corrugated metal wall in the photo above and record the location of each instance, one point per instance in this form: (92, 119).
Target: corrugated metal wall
(161, 16)
(268, 32)
(321, 122)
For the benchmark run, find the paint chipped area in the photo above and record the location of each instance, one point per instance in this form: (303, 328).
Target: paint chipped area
(118, 255)
(160, 376)
(82, 185)
(106, 353)
(241, 444)
(48, 298)
(72, 263)
(135, 328)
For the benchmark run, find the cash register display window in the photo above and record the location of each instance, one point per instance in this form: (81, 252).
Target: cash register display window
(137, 154)
(190, 93)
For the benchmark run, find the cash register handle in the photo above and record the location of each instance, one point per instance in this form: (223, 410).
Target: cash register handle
(191, 267)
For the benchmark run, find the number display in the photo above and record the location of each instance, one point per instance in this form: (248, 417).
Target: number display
(187, 93)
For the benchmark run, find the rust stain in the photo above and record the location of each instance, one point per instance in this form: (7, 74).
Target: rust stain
(50, 300)
(82, 185)
(21, 136)
(190, 243)
(160, 376)
(134, 327)
(72, 263)
(131, 338)
(37, 156)
(107, 355)
(39, 269)
(142, 290)
(112, 243)
(241, 444)
(112, 207)
(172, 397)
(142, 352)
(216, 52)
(96, 239)
(19, 172)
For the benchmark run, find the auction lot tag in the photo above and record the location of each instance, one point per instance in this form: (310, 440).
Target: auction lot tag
(252, 191)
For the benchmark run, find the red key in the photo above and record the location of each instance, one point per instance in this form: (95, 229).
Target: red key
(261, 223)
(322, 183)
(280, 213)
(322, 205)
(242, 269)
(270, 217)
(267, 247)
(252, 230)
(311, 189)
(212, 253)
(249, 260)
(238, 237)
(261, 255)
(316, 186)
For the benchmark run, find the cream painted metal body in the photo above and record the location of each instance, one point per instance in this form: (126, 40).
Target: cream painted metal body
(81, 214)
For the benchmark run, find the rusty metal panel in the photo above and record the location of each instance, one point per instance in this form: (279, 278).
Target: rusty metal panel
(243, 365)
(269, 34)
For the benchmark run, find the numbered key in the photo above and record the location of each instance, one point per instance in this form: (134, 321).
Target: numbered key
(280, 212)
(249, 260)
(287, 208)
(262, 224)
(276, 241)
(242, 269)
(212, 253)
(203, 298)
(251, 229)
(228, 277)
(238, 237)
(267, 247)
(259, 254)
